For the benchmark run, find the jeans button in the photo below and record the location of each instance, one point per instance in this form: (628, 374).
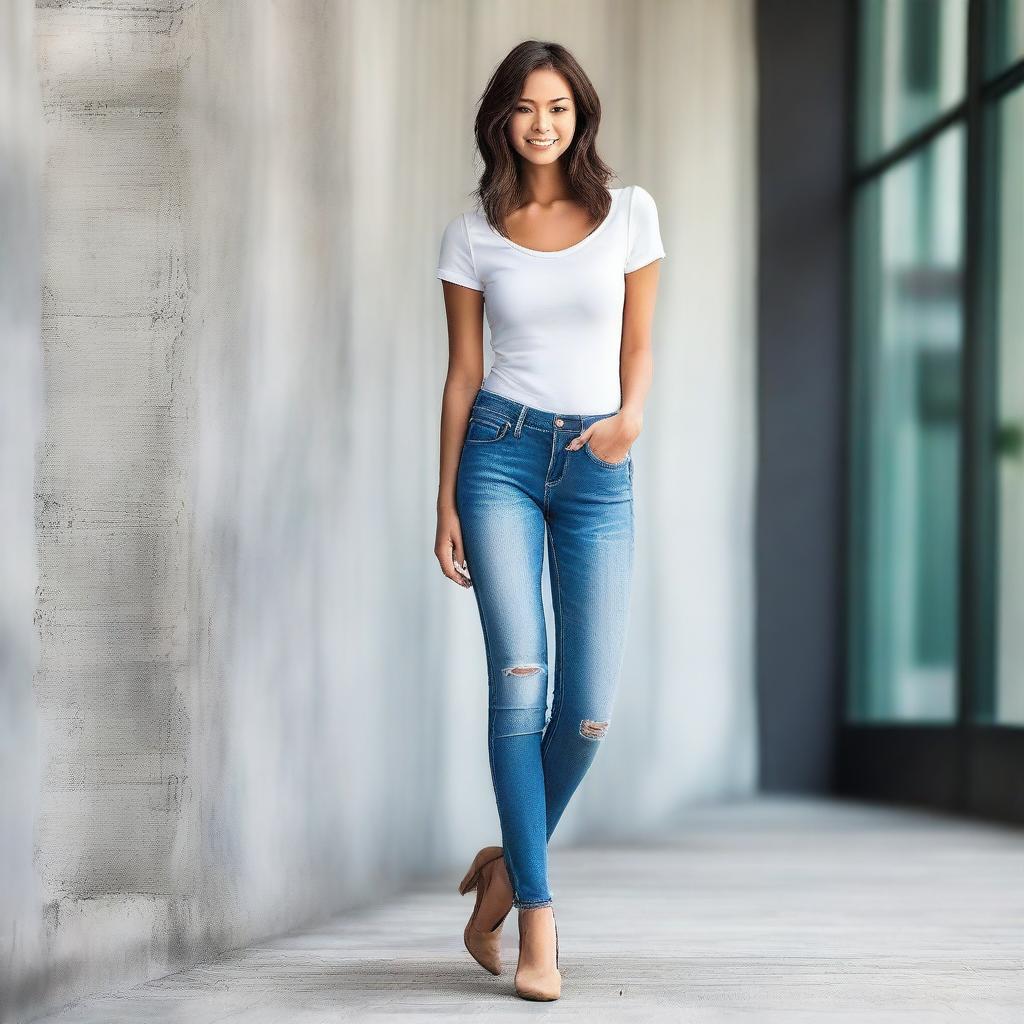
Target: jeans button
(559, 422)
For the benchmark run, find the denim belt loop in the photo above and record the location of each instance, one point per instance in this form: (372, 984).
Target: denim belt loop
(519, 422)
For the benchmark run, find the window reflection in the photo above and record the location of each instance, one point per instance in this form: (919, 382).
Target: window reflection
(913, 62)
(906, 409)
(1004, 34)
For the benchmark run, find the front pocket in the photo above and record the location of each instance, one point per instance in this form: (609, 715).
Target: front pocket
(484, 429)
(602, 462)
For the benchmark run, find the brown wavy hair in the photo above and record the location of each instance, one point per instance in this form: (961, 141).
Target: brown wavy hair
(500, 189)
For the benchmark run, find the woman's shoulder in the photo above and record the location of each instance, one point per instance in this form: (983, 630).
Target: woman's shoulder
(641, 207)
(456, 222)
(456, 260)
(465, 224)
(639, 194)
(628, 191)
(634, 201)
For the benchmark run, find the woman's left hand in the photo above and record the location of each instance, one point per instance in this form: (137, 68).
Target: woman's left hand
(614, 436)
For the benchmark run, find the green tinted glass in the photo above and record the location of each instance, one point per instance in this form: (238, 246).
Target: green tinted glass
(912, 68)
(1003, 331)
(1004, 34)
(907, 336)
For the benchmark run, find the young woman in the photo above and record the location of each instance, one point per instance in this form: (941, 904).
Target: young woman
(566, 269)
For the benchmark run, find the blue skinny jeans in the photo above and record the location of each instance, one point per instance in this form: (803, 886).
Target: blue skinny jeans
(515, 479)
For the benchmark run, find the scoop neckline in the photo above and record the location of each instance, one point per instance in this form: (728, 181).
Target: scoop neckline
(613, 192)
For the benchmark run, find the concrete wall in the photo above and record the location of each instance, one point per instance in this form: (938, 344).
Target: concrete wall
(22, 953)
(257, 699)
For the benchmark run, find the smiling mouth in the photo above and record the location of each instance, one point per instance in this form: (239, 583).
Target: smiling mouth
(541, 143)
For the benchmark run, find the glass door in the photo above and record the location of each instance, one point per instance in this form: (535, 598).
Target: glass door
(933, 708)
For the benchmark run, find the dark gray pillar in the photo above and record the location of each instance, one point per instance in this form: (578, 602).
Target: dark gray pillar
(803, 60)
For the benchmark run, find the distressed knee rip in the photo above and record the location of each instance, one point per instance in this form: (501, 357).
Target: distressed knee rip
(593, 730)
(519, 706)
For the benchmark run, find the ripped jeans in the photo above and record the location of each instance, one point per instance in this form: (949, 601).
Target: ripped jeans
(515, 478)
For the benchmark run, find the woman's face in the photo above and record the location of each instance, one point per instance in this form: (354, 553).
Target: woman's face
(545, 112)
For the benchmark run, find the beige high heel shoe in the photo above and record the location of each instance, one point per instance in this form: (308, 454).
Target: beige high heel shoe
(484, 945)
(544, 983)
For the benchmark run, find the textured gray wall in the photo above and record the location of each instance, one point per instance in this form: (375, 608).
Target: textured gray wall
(21, 424)
(258, 700)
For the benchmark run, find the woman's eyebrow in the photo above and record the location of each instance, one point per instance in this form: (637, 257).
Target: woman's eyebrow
(524, 99)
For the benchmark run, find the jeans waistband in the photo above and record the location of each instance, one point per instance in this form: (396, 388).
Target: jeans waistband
(519, 414)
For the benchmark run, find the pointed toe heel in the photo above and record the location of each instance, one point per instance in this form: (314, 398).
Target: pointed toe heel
(543, 984)
(483, 945)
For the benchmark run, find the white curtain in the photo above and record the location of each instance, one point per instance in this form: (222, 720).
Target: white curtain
(261, 701)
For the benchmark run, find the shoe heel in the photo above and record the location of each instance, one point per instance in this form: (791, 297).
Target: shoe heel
(472, 876)
(469, 883)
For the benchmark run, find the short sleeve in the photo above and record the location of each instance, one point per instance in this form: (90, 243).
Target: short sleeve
(455, 261)
(644, 234)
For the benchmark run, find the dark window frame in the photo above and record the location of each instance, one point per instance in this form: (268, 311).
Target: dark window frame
(970, 767)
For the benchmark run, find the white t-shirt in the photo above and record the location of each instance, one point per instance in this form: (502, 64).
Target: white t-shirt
(555, 317)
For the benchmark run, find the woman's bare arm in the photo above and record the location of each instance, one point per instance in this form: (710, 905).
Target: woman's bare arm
(464, 309)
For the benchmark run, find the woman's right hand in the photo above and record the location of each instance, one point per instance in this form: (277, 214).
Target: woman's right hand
(448, 547)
